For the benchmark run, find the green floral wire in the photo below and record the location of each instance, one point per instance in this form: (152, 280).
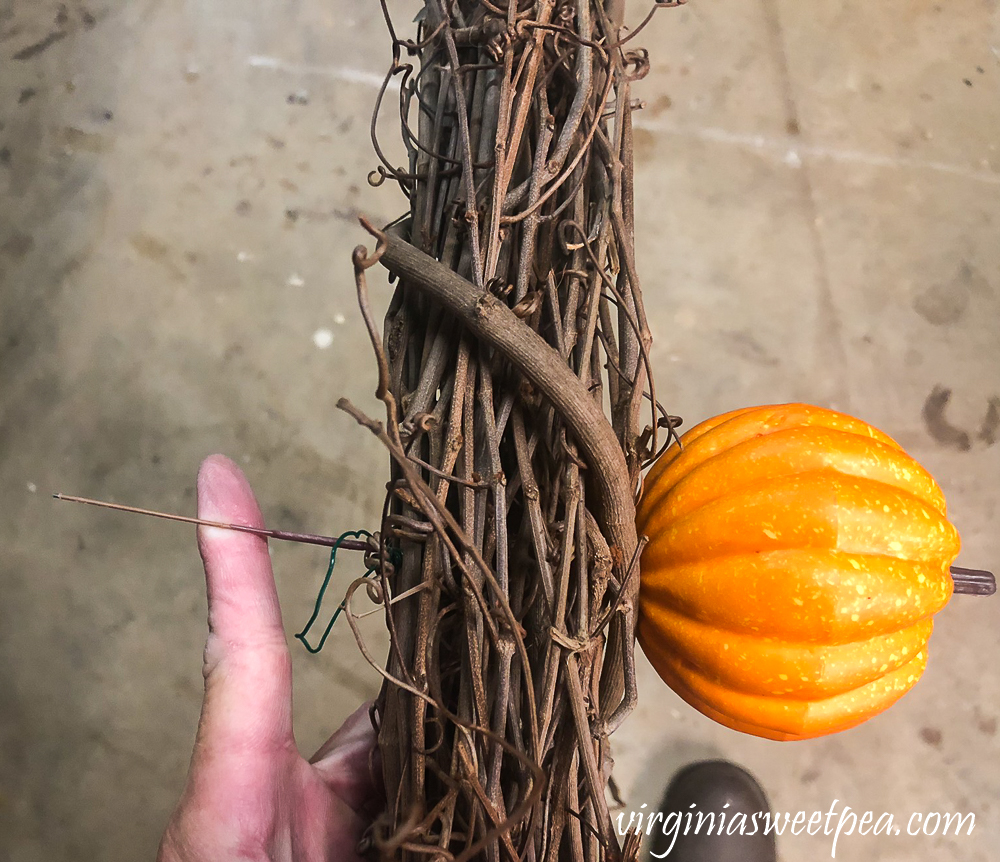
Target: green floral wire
(301, 636)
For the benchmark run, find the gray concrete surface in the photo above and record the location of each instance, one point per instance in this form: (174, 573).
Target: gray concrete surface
(819, 206)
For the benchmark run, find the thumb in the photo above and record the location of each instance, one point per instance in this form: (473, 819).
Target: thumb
(248, 686)
(350, 764)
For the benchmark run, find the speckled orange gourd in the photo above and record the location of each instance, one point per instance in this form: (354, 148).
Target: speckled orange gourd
(796, 558)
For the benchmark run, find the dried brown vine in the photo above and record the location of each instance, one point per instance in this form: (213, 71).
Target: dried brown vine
(508, 557)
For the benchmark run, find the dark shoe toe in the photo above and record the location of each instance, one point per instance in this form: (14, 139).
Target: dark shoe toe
(713, 811)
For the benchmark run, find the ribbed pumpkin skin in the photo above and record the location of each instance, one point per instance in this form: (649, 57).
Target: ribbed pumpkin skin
(796, 557)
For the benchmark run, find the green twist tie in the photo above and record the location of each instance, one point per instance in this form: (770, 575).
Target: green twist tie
(301, 636)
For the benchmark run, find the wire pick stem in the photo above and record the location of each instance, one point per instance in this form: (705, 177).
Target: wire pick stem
(264, 532)
(970, 582)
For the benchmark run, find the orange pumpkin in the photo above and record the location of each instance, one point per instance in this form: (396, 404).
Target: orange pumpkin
(796, 558)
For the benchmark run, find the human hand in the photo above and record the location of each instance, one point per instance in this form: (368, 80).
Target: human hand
(250, 795)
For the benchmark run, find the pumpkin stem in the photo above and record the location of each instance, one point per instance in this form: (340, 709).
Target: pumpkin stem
(973, 582)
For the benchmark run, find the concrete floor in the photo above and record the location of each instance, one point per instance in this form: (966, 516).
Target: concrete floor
(820, 220)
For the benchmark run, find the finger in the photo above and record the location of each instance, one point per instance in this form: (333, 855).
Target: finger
(248, 690)
(348, 761)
